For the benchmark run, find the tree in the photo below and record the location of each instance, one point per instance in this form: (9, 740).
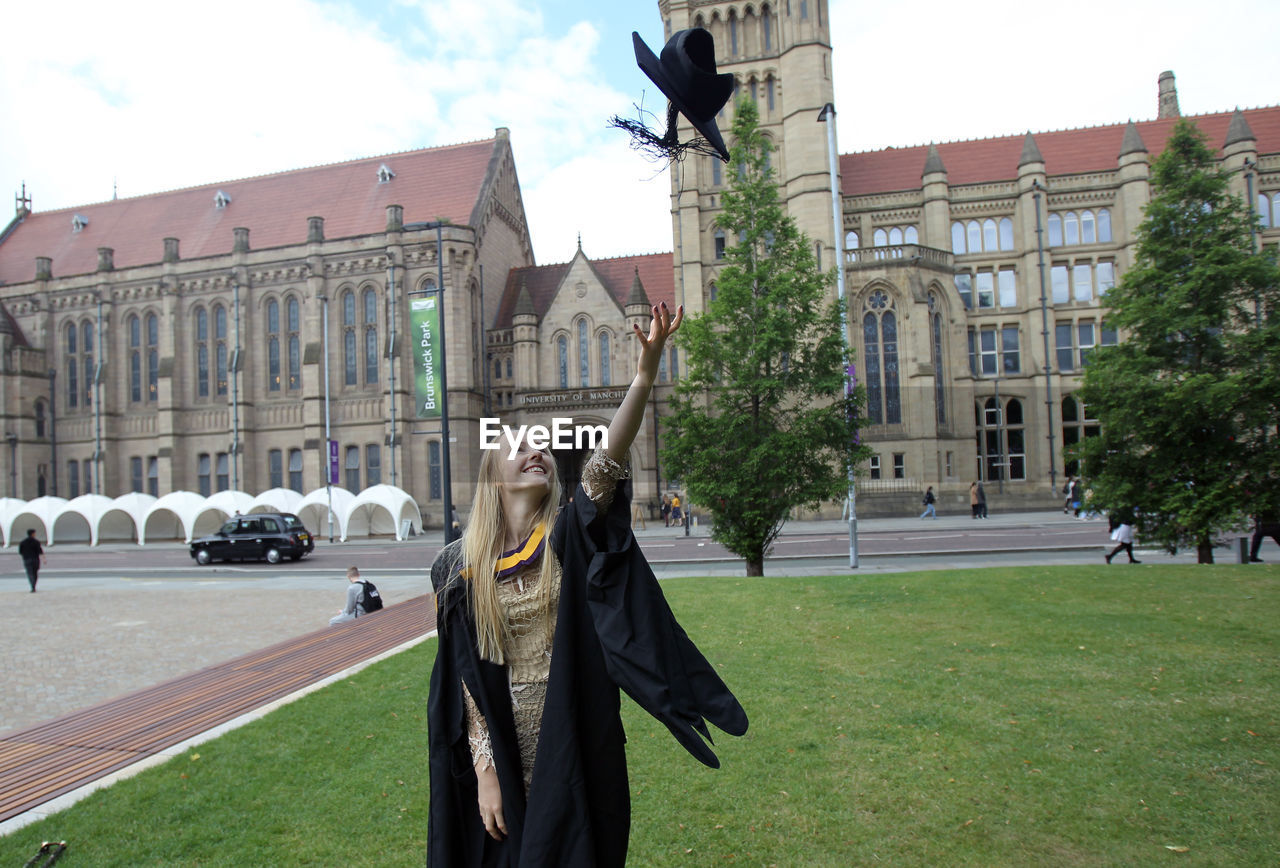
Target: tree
(760, 423)
(1187, 402)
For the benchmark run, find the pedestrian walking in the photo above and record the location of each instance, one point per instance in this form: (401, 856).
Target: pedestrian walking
(32, 557)
(1122, 535)
(666, 511)
(677, 514)
(1267, 525)
(982, 501)
(929, 501)
(1074, 497)
(975, 505)
(1066, 494)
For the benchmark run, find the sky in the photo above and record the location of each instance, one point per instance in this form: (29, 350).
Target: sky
(141, 96)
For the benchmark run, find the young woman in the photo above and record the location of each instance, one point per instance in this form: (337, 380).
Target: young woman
(543, 613)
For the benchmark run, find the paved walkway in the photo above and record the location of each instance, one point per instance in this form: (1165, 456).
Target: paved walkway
(48, 766)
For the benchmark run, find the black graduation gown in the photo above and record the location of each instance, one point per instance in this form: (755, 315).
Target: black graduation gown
(614, 630)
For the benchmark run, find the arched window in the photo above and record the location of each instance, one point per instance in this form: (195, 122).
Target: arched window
(719, 243)
(352, 467)
(974, 233)
(895, 235)
(370, 336)
(73, 478)
(880, 238)
(1070, 228)
(1088, 228)
(1264, 209)
(86, 363)
(562, 360)
(1104, 224)
(766, 29)
(39, 411)
(134, 327)
(273, 346)
(584, 356)
(911, 235)
(202, 354)
(350, 365)
(716, 178)
(295, 339)
(990, 235)
(153, 356)
(1006, 233)
(939, 386)
(435, 488)
(851, 241)
(606, 372)
(880, 344)
(957, 238)
(204, 474)
(295, 470)
(275, 468)
(70, 344)
(1055, 230)
(1076, 425)
(220, 346)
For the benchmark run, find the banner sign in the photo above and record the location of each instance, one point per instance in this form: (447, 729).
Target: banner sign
(333, 462)
(424, 318)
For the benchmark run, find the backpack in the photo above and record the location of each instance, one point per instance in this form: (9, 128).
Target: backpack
(370, 599)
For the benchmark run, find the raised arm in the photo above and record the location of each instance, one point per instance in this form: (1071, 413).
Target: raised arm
(626, 422)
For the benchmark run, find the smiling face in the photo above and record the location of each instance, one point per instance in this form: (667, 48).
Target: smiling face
(531, 470)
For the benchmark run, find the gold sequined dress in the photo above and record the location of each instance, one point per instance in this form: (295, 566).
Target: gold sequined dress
(528, 657)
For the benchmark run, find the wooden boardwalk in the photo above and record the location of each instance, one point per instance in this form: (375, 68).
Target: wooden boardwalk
(45, 761)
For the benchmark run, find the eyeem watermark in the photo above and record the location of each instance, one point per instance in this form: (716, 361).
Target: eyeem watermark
(562, 434)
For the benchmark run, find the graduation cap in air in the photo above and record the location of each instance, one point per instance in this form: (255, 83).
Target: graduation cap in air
(686, 75)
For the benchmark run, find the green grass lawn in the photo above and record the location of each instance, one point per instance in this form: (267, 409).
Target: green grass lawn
(1054, 716)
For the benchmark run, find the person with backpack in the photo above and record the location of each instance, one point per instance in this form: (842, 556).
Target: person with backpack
(362, 598)
(929, 501)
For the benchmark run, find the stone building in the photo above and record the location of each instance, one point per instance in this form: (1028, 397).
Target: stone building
(179, 340)
(974, 271)
(194, 339)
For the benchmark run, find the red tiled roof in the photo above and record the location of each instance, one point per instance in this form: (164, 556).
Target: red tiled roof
(431, 183)
(616, 274)
(1065, 152)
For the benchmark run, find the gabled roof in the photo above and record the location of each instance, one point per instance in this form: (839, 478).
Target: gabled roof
(432, 183)
(1065, 152)
(617, 275)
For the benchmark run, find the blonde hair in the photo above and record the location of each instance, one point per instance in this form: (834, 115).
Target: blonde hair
(482, 547)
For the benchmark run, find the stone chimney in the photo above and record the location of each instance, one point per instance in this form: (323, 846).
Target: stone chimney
(241, 244)
(395, 218)
(106, 259)
(315, 230)
(1168, 96)
(44, 268)
(171, 249)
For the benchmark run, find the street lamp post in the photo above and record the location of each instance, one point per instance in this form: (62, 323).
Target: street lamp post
(327, 463)
(828, 116)
(444, 387)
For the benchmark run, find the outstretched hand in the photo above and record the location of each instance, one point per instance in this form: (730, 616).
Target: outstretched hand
(661, 326)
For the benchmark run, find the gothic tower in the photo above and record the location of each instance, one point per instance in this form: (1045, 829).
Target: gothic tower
(779, 52)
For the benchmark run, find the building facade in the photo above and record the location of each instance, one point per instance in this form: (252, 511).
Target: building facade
(211, 338)
(975, 272)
